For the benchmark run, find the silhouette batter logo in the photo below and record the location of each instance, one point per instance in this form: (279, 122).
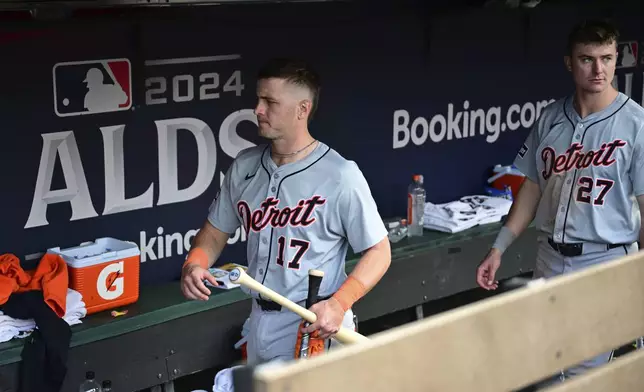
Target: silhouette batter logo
(627, 53)
(90, 87)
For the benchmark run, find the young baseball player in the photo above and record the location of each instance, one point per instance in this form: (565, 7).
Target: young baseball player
(584, 167)
(302, 205)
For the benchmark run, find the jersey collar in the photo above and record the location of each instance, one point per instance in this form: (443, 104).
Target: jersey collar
(607, 111)
(270, 165)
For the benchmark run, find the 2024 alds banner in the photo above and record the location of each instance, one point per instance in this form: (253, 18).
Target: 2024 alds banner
(125, 128)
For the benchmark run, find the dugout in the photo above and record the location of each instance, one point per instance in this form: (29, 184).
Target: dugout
(394, 72)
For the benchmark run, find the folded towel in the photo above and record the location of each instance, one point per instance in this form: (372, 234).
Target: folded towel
(465, 213)
(17, 328)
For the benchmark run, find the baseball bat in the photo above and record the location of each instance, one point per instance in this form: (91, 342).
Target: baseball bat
(315, 279)
(238, 276)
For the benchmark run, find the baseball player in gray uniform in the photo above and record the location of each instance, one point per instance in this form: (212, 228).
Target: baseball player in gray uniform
(584, 167)
(302, 204)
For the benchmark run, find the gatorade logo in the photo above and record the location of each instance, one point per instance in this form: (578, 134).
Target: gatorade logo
(109, 283)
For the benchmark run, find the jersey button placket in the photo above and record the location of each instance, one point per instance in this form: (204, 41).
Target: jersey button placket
(263, 259)
(264, 265)
(276, 176)
(580, 128)
(566, 194)
(561, 209)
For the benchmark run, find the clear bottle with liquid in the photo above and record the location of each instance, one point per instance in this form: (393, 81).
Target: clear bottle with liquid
(90, 384)
(106, 386)
(415, 206)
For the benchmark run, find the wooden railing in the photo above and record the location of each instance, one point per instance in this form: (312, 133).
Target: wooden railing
(503, 343)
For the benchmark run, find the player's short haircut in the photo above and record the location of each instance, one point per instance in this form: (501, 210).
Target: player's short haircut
(294, 71)
(595, 31)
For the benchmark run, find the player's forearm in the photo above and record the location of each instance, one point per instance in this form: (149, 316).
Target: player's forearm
(371, 267)
(207, 246)
(373, 264)
(521, 214)
(524, 207)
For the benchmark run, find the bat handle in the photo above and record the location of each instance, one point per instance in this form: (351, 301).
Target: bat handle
(344, 335)
(315, 280)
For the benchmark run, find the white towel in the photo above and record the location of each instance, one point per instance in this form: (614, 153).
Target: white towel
(465, 213)
(224, 380)
(75, 309)
(16, 328)
(8, 332)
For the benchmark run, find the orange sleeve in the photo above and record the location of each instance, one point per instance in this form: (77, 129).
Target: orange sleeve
(12, 276)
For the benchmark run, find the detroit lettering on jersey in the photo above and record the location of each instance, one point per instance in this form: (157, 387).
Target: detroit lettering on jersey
(588, 171)
(270, 213)
(575, 157)
(298, 216)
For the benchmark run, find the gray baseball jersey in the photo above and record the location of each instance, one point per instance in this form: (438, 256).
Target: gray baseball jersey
(589, 171)
(298, 216)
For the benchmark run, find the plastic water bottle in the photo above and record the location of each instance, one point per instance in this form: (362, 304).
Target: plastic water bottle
(90, 384)
(415, 206)
(106, 386)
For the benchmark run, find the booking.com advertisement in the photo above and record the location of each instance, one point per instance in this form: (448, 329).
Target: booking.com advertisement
(126, 129)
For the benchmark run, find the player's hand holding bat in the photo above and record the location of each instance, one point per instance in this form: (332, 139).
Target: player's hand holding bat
(343, 335)
(329, 315)
(193, 275)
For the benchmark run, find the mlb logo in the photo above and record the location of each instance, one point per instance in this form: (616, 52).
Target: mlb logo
(627, 53)
(90, 87)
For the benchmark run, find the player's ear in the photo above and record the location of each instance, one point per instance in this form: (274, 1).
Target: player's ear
(304, 109)
(568, 63)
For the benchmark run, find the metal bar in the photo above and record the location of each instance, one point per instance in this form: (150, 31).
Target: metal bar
(168, 386)
(13, 5)
(419, 312)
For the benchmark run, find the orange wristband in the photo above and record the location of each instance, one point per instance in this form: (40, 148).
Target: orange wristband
(350, 291)
(197, 256)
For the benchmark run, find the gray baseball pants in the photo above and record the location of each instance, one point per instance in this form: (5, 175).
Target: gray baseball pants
(272, 334)
(551, 263)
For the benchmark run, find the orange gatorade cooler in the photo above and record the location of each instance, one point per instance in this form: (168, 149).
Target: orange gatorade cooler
(105, 272)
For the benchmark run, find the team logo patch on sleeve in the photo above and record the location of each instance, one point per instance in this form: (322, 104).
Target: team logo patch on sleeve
(523, 150)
